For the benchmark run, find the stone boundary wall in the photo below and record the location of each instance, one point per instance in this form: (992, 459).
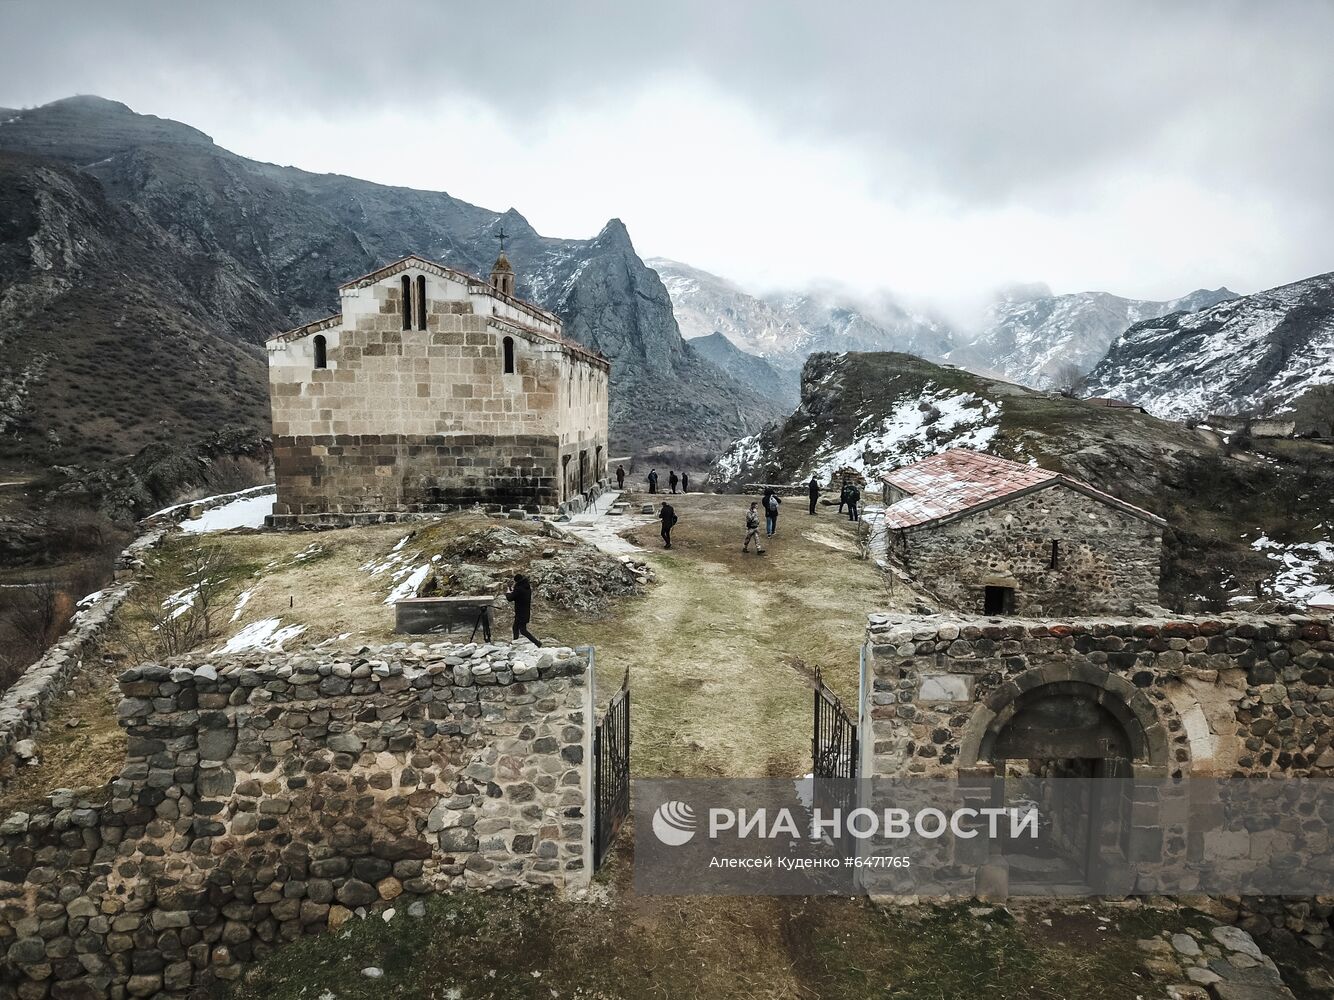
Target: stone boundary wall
(267, 797)
(191, 509)
(24, 706)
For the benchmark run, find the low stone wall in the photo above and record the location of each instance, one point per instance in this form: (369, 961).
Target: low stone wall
(24, 706)
(194, 508)
(264, 798)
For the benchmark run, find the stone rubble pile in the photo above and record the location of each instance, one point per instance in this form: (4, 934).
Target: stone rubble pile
(1226, 964)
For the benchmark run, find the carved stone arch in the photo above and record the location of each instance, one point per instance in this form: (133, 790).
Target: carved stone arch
(1136, 713)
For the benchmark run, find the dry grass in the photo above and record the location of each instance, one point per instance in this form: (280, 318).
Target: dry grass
(86, 755)
(722, 651)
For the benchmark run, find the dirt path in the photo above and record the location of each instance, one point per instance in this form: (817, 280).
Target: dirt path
(723, 648)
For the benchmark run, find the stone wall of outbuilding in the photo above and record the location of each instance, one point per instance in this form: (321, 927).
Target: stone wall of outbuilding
(1224, 696)
(267, 797)
(1108, 561)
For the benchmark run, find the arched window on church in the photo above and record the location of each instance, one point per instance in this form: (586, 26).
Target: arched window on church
(509, 355)
(407, 303)
(421, 302)
(321, 352)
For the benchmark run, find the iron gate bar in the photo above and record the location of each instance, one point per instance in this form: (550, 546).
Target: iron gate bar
(611, 772)
(834, 752)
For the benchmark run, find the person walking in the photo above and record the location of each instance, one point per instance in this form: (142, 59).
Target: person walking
(771, 514)
(672, 480)
(668, 518)
(685, 482)
(753, 529)
(620, 477)
(653, 480)
(854, 495)
(814, 489)
(522, 599)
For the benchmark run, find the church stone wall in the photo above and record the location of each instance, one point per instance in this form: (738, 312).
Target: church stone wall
(1108, 561)
(265, 798)
(413, 420)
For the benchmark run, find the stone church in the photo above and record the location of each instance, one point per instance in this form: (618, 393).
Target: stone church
(989, 536)
(433, 389)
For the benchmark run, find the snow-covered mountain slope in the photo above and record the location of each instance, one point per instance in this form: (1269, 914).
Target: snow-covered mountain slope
(1043, 340)
(876, 411)
(788, 327)
(1256, 353)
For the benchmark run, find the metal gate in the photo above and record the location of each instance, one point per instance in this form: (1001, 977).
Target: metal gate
(834, 754)
(611, 772)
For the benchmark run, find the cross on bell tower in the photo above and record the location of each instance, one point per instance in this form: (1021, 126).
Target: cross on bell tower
(502, 275)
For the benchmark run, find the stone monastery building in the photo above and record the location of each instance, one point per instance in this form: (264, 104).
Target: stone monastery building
(430, 390)
(991, 536)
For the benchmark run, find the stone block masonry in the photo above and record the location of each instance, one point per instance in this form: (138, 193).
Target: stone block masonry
(1105, 561)
(267, 797)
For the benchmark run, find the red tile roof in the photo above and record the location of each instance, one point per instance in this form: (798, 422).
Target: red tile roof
(961, 481)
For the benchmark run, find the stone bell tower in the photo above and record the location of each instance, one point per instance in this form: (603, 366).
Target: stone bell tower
(502, 275)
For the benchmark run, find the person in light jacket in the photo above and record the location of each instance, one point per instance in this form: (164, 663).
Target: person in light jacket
(753, 529)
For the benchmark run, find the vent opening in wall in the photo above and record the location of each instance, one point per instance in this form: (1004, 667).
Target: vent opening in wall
(998, 601)
(321, 352)
(509, 355)
(1055, 553)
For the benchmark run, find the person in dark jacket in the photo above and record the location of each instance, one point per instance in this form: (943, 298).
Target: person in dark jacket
(668, 518)
(685, 482)
(843, 496)
(771, 513)
(653, 480)
(672, 480)
(854, 495)
(813, 488)
(522, 599)
(620, 477)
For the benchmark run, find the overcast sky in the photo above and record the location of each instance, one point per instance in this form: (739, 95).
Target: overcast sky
(934, 149)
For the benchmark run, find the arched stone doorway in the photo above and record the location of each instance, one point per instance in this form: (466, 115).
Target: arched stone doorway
(1067, 741)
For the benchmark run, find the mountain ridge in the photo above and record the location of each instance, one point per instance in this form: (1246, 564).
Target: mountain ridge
(1257, 353)
(250, 248)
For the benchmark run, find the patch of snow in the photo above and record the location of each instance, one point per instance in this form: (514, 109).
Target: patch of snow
(247, 512)
(90, 599)
(410, 580)
(376, 567)
(268, 487)
(743, 452)
(266, 635)
(182, 601)
(241, 602)
(915, 429)
(1305, 571)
